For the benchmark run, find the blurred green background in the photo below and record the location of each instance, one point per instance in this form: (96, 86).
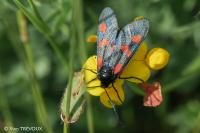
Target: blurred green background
(39, 50)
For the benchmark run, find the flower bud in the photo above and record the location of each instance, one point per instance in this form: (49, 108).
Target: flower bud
(92, 39)
(157, 58)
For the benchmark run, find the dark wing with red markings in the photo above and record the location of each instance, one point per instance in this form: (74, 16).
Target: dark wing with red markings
(107, 32)
(127, 43)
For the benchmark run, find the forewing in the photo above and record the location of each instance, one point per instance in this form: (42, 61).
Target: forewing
(107, 32)
(128, 41)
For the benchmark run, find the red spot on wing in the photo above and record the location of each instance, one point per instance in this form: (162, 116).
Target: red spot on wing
(118, 68)
(102, 27)
(125, 49)
(136, 39)
(99, 62)
(103, 42)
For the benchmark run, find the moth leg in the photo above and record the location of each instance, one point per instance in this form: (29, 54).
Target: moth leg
(90, 70)
(114, 108)
(91, 80)
(117, 93)
(93, 86)
(132, 78)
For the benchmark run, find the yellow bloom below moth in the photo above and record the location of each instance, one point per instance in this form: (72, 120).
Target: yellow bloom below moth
(135, 68)
(117, 96)
(91, 65)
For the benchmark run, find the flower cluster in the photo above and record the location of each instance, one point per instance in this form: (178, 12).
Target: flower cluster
(140, 66)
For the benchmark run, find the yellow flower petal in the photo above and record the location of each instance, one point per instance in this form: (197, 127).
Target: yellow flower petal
(91, 65)
(92, 39)
(136, 69)
(117, 96)
(97, 91)
(141, 52)
(157, 58)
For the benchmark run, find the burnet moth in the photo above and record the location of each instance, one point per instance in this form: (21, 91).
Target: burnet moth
(116, 47)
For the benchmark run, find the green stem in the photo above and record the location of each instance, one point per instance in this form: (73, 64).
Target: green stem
(71, 71)
(40, 106)
(65, 128)
(90, 121)
(83, 55)
(69, 89)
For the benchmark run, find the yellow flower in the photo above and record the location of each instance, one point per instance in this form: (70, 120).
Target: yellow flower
(91, 76)
(157, 58)
(141, 52)
(138, 67)
(116, 97)
(92, 39)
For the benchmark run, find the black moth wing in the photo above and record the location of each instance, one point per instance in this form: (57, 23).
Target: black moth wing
(107, 32)
(127, 43)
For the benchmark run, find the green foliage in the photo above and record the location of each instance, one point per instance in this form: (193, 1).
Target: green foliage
(34, 72)
(186, 118)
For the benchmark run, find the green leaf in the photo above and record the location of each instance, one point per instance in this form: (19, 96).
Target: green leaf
(194, 66)
(77, 101)
(185, 119)
(37, 22)
(135, 88)
(197, 16)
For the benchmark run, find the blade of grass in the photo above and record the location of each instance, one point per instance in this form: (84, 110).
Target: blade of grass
(12, 34)
(35, 11)
(39, 102)
(4, 105)
(39, 23)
